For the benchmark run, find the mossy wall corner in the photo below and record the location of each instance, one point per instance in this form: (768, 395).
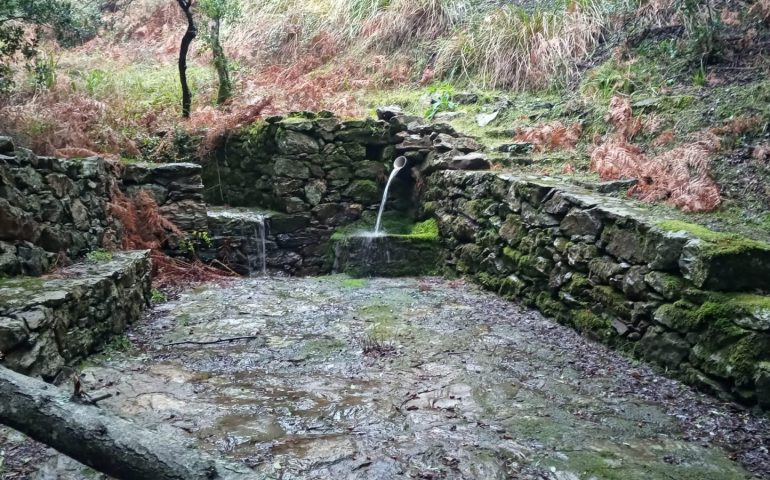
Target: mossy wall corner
(673, 293)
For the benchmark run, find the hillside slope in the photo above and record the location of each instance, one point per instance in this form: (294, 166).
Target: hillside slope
(672, 93)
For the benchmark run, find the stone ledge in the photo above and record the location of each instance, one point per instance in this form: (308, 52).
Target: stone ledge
(709, 259)
(49, 322)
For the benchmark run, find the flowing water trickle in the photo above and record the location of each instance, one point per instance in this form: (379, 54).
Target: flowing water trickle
(398, 164)
(260, 232)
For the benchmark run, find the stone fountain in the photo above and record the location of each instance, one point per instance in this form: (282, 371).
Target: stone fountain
(396, 246)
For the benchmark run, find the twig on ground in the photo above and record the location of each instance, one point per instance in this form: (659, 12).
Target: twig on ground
(212, 342)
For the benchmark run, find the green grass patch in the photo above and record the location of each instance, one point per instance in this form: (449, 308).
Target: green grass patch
(354, 282)
(99, 256)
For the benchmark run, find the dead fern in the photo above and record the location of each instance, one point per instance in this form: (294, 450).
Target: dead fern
(621, 117)
(680, 176)
(552, 136)
(142, 226)
(220, 123)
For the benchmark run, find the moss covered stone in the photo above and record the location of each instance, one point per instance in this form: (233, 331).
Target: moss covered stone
(716, 243)
(611, 300)
(363, 191)
(512, 230)
(586, 321)
(680, 316)
(577, 285)
(738, 361)
(665, 348)
(550, 306)
(667, 285)
(722, 261)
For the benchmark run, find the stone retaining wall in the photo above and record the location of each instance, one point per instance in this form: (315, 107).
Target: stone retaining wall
(46, 323)
(49, 206)
(177, 188)
(670, 292)
(53, 211)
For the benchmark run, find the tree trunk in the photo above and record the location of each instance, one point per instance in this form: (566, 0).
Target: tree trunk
(220, 63)
(187, 39)
(109, 444)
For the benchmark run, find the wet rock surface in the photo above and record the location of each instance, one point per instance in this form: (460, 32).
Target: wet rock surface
(409, 378)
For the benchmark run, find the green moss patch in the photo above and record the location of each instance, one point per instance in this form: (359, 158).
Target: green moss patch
(394, 225)
(354, 282)
(588, 322)
(717, 243)
(427, 229)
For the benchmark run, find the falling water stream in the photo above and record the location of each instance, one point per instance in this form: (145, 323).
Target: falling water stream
(260, 232)
(398, 164)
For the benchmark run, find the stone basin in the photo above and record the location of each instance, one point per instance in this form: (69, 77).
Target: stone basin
(406, 249)
(403, 378)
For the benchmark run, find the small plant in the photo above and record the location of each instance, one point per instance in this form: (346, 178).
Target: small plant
(120, 343)
(95, 81)
(44, 71)
(184, 320)
(703, 30)
(699, 77)
(375, 347)
(158, 296)
(99, 256)
(441, 101)
(196, 239)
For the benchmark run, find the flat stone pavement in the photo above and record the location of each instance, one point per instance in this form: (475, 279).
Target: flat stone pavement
(408, 378)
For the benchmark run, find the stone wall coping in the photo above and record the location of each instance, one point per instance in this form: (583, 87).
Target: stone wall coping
(23, 293)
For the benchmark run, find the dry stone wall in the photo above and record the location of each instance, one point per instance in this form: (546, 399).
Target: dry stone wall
(177, 188)
(49, 206)
(47, 323)
(53, 211)
(314, 173)
(672, 293)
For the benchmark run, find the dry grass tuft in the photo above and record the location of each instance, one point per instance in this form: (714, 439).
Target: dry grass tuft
(761, 152)
(621, 117)
(730, 17)
(551, 136)
(511, 48)
(406, 20)
(761, 10)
